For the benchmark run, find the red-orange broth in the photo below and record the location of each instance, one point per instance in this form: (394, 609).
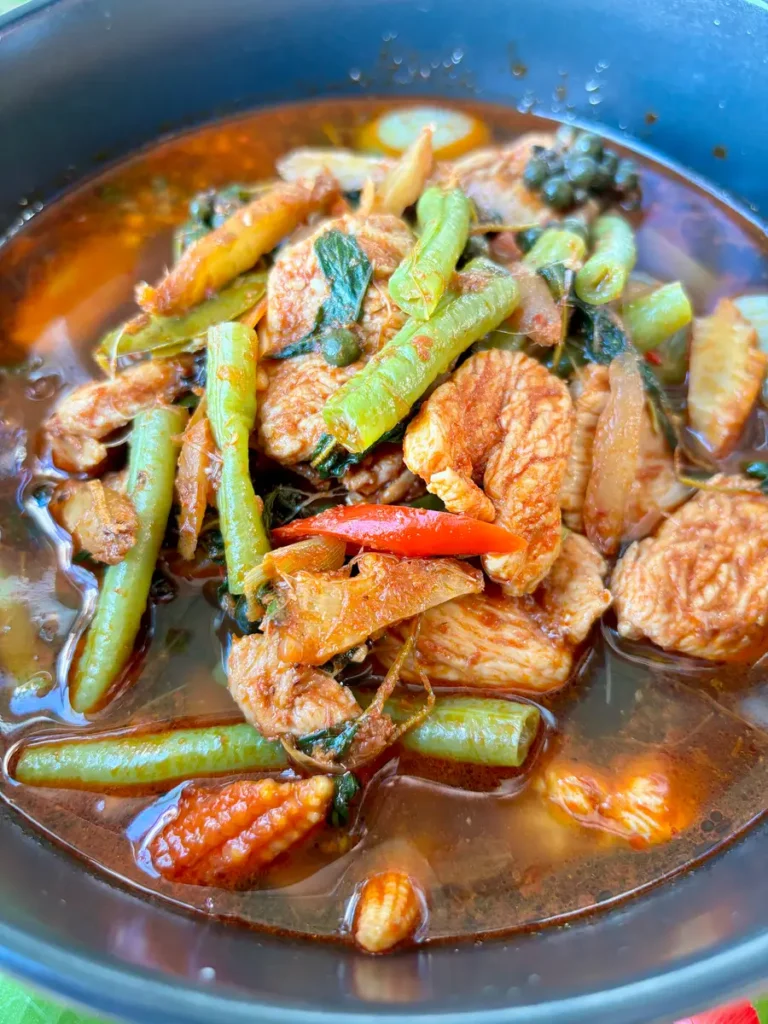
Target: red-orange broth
(494, 857)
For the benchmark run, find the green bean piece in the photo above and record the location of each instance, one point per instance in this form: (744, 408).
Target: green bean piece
(154, 446)
(421, 279)
(147, 759)
(170, 335)
(473, 730)
(557, 245)
(231, 391)
(604, 276)
(754, 308)
(377, 398)
(652, 318)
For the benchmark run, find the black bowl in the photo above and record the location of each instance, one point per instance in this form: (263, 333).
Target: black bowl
(86, 80)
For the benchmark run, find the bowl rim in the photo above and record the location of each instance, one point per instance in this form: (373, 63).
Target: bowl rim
(139, 993)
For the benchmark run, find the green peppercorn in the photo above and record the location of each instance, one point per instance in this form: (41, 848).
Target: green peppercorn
(588, 145)
(553, 161)
(626, 178)
(558, 192)
(581, 170)
(535, 172)
(340, 347)
(528, 237)
(609, 162)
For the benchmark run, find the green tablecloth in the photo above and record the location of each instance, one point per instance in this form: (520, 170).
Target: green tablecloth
(20, 1006)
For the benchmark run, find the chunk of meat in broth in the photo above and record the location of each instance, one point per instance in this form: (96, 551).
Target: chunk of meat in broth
(281, 698)
(297, 287)
(519, 644)
(504, 421)
(98, 515)
(93, 411)
(323, 614)
(290, 412)
(646, 804)
(493, 179)
(699, 585)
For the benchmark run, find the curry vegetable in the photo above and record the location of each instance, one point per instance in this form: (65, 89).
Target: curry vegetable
(125, 588)
(377, 398)
(231, 391)
(419, 282)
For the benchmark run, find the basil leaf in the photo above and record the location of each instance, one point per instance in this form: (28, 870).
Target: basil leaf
(345, 789)
(604, 338)
(348, 272)
(330, 459)
(335, 741)
(758, 470)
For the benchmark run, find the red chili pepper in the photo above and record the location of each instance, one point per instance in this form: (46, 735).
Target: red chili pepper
(653, 358)
(402, 530)
(742, 1012)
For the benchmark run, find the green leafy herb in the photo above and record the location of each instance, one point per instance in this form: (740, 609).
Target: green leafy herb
(285, 503)
(331, 459)
(758, 470)
(559, 279)
(604, 338)
(348, 272)
(335, 741)
(345, 789)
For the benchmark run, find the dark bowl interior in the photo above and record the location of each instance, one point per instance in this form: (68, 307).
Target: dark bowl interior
(85, 81)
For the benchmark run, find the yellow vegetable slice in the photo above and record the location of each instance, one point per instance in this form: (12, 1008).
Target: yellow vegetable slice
(455, 132)
(726, 373)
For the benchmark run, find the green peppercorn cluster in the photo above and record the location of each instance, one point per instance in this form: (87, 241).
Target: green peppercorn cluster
(579, 167)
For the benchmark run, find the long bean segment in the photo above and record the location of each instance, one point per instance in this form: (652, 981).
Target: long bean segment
(231, 391)
(148, 759)
(421, 279)
(125, 588)
(377, 398)
(604, 275)
(653, 318)
(557, 245)
(474, 730)
(169, 335)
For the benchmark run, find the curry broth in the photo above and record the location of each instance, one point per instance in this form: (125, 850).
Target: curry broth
(491, 854)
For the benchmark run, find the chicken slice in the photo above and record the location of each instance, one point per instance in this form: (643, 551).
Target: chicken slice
(93, 411)
(297, 287)
(98, 515)
(504, 421)
(290, 413)
(699, 585)
(493, 180)
(573, 595)
(589, 391)
(521, 644)
(642, 805)
(322, 614)
(726, 371)
(279, 698)
(382, 478)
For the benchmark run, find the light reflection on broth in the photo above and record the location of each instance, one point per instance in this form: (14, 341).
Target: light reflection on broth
(491, 853)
